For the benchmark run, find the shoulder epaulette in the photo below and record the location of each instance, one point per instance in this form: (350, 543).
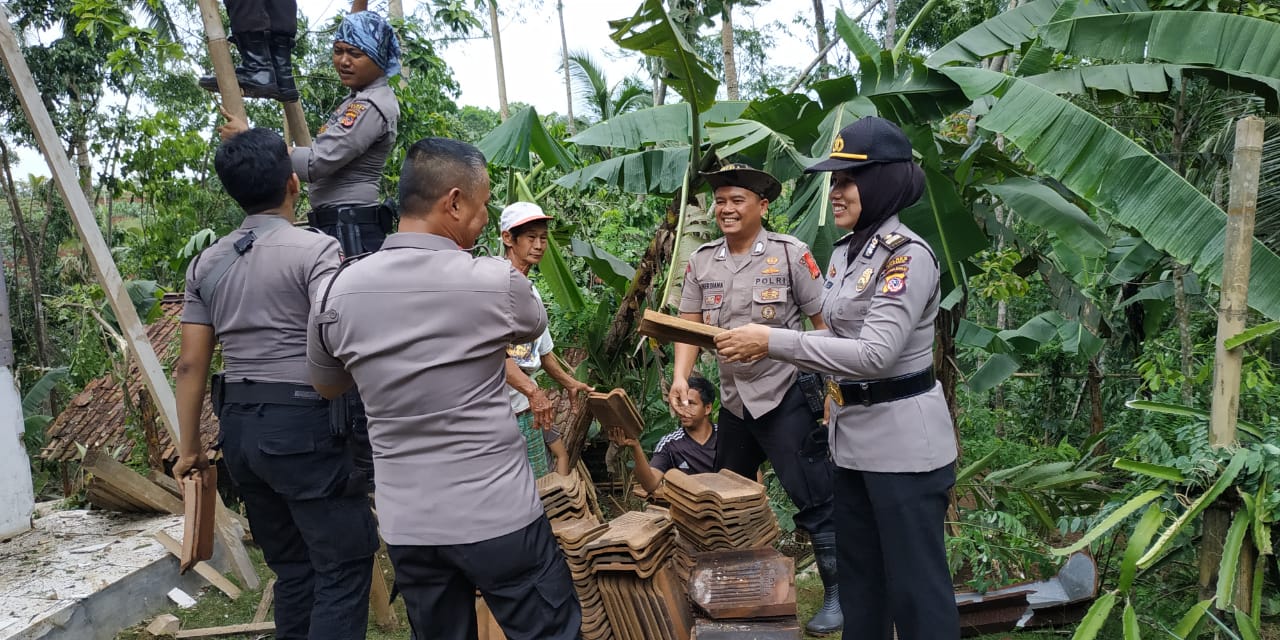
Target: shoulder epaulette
(892, 241)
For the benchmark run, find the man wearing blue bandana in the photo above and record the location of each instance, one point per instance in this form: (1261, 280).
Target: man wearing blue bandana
(344, 164)
(264, 32)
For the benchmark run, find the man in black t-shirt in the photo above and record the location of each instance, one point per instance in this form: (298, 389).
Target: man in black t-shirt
(691, 449)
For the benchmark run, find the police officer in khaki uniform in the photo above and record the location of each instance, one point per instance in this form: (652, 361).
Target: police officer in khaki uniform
(891, 432)
(251, 291)
(754, 275)
(423, 327)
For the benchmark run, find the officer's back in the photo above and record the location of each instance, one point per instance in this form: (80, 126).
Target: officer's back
(251, 291)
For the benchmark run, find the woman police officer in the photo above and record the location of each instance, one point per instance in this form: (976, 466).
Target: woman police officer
(891, 433)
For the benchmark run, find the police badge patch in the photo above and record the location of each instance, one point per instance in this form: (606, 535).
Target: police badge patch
(863, 280)
(353, 112)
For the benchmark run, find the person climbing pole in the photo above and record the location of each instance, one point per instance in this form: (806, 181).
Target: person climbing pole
(264, 31)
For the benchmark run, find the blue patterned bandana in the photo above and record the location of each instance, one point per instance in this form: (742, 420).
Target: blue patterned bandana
(370, 33)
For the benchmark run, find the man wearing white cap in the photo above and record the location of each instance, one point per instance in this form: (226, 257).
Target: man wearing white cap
(525, 236)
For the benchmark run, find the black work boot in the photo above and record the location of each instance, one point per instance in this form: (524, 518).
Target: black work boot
(282, 60)
(829, 618)
(256, 74)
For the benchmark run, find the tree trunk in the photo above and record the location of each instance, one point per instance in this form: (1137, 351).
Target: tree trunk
(564, 60)
(1095, 397)
(497, 60)
(726, 44)
(890, 23)
(1183, 312)
(820, 27)
(634, 302)
(33, 252)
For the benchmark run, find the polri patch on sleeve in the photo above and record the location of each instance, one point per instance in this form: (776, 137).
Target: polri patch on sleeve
(353, 112)
(812, 265)
(895, 281)
(897, 261)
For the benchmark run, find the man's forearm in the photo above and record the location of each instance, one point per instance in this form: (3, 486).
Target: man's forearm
(551, 364)
(518, 379)
(685, 354)
(189, 395)
(648, 477)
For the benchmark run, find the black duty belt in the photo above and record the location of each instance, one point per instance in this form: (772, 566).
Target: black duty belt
(349, 214)
(272, 393)
(869, 392)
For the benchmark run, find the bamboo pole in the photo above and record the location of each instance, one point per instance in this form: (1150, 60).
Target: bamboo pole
(295, 124)
(220, 53)
(104, 266)
(1233, 310)
(1233, 306)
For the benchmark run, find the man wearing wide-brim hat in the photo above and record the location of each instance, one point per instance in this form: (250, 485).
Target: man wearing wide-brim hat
(753, 275)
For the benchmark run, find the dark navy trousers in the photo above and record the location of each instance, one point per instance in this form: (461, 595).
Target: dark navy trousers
(892, 555)
(309, 513)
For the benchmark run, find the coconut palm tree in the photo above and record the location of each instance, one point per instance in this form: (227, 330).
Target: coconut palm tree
(600, 100)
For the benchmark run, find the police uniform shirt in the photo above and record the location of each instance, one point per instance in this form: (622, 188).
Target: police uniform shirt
(776, 284)
(879, 309)
(678, 450)
(344, 164)
(259, 308)
(423, 329)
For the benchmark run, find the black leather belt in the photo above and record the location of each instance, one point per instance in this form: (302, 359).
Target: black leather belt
(869, 392)
(350, 214)
(272, 393)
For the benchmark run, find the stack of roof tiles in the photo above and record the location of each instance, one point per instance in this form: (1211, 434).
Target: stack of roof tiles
(574, 535)
(720, 511)
(564, 497)
(642, 595)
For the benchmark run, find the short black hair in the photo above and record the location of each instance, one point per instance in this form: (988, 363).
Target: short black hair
(432, 167)
(704, 389)
(254, 169)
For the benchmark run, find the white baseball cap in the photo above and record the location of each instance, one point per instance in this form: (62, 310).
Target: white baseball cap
(518, 213)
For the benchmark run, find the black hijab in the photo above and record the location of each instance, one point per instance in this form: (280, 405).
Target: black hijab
(884, 189)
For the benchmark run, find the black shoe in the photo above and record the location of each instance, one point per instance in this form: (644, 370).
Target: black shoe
(282, 62)
(829, 618)
(256, 73)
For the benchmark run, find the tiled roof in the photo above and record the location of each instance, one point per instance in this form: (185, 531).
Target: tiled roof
(96, 417)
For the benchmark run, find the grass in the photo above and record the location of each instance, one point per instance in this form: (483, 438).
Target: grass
(214, 609)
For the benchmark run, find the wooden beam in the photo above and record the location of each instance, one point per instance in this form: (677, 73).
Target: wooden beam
(1233, 308)
(204, 569)
(295, 124)
(264, 605)
(220, 53)
(233, 630)
(384, 615)
(126, 481)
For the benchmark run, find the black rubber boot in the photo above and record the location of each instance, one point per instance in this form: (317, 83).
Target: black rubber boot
(829, 618)
(256, 73)
(282, 60)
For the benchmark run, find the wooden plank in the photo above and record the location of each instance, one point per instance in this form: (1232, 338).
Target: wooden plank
(165, 482)
(95, 245)
(203, 568)
(235, 629)
(136, 487)
(264, 605)
(220, 54)
(384, 615)
(295, 123)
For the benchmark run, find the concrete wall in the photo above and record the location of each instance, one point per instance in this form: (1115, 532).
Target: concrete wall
(16, 492)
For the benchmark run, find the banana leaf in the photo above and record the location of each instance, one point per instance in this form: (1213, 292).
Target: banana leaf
(994, 371)
(903, 89)
(609, 268)
(763, 147)
(652, 32)
(665, 123)
(1116, 175)
(795, 115)
(1039, 56)
(1034, 332)
(944, 221)
(1220, 40)
(1111, 81)
(511, 144)
(1189, 412)
(657, 171)
(1005, 32)
(39, 392)
(1076, 338)
(1043, 207)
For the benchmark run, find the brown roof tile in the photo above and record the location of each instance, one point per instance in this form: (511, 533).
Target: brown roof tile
(95, 418)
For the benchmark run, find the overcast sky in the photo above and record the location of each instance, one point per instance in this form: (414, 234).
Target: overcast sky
(531, 50)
